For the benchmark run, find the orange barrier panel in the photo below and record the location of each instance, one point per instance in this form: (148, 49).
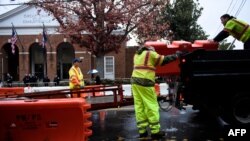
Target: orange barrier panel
(77, 94)
(11, 90)
(181, 45)
(205, 44)
(171, 68)
(45, 120)
(93, 88)
(99, 88)
(162, 48)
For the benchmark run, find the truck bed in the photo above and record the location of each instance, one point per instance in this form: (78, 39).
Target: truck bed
(219, 69)
(216, 80)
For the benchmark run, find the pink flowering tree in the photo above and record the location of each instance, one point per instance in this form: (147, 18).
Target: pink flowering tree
(103, 26)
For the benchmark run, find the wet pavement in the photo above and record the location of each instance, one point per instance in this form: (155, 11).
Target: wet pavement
(118, 124)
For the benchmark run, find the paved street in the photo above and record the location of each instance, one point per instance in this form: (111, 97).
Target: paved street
(119, 124)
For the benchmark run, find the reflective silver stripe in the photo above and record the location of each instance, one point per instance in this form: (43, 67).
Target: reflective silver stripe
(140, 122)
(144, 68)
(158, 60)
(155, 123)
(146, 58)
(143, 82)
(142, 128)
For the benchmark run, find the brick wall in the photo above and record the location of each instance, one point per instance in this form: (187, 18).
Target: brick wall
(55, 40)
(129, 61)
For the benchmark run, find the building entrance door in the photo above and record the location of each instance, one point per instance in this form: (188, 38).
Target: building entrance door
(39, 68)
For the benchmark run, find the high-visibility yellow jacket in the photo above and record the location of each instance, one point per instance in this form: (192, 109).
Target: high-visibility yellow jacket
(75, 78)
(238, 29)
(145, 64)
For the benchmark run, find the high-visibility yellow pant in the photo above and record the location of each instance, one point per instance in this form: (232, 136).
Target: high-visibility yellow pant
(146, 108)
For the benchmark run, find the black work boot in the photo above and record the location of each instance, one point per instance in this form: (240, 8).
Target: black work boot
(143, 135)
(158, 135)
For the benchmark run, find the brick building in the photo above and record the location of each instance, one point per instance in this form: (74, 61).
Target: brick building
(56, 57)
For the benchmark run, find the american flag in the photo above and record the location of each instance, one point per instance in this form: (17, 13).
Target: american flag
(13, 40)
(44, 39)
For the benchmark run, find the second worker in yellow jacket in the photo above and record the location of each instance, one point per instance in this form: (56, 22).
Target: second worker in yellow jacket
(76, 80)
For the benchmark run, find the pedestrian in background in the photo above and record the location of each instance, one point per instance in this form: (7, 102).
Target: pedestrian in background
(56, 80)
(97, 80)
(9, 80)
(143, 90)
(46, 81)
(33, 80)
(26, 80)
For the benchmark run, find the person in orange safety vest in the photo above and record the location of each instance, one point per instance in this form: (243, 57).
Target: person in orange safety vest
(76, 80)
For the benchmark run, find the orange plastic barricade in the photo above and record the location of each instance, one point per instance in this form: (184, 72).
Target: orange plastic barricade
(77, 93)
(11, 90)
(95, 90)
(99, 87)
(45, 120)
(181, 45)
(162, 48)
(205, 44)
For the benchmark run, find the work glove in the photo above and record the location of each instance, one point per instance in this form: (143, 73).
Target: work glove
(178, 53)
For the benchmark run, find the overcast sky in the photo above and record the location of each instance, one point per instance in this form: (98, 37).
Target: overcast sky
(3, 9)
(213, 9)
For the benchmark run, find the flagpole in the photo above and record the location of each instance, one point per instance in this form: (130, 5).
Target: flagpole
(13, 27)
(18, 37)
(49, 45)
(47, 38)
(2, 70)
(45, 51)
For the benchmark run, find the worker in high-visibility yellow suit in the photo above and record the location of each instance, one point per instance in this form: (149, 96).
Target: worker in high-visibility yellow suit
(76, 80)
(145, 99)
(237, 28)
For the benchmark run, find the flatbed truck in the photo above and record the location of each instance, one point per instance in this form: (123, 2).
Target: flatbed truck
(217, 82)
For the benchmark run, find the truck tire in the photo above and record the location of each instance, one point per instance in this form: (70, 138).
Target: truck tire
(238, 111)
(165, 105)
(241, 111)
